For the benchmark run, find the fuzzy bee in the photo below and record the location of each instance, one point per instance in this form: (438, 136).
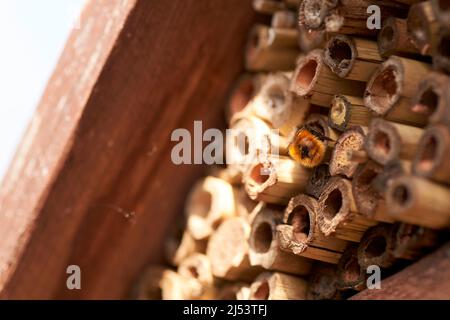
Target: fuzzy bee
(308, 147)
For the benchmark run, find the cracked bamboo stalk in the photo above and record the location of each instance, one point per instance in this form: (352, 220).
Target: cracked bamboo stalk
(228, 251)
(347, 111)
(210, 202)
(278, 286)
(441, 56)
(350, 275)
(317, 180)
(432, 98)
(270, 49)
(352, 58)
(442, 10)
(301, 235)
(323, 283)
(338, 215)
(432, 157)
(393, 39)
(376, 247)
(422, 27)
(387, 141)
(313, 79)
(275, 180)
(345, 16)
(409, 197)
(351, 140)
(389, 91)
(265, 248)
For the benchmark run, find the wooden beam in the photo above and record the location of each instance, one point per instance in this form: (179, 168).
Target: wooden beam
(429, 278)
(92, 183)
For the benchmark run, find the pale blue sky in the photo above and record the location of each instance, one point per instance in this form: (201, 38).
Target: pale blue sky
(32, 33)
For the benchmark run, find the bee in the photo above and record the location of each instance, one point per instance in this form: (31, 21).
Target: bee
(308, 147)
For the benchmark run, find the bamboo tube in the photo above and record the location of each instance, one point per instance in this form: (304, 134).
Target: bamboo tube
(234, 291)
(244, 205)
(278, 286)
(442, 11)
(393, 39)
(351, 140)
(409, 197)
(227, 174)
(412, 242)
(268, 6)
(350, 275)
(347, 111)
(295, 113)
(358, 156)
(337, 214)
(197, 266)
(422, 27)
(432, 157)
(148, 286)
(396, 78)
(241, 94)
(369, 200)
(265, 248)
(317, 180)
(319, 123)
(323, 283)
(344, 16)
(177, 287)
(376, 247)
(313, 79)
(284, 19)
(441, 56)
(228, 251)
(352, 58)
(209, 203)
(387, 141)
(432, 99)
(275, 180)
(270, 49)
(301, 234)
(309, 40)
(181, 245)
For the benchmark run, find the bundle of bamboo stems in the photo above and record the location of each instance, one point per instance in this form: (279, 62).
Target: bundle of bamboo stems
(357, 171)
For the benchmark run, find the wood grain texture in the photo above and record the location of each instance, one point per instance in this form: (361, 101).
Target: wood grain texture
(428, 278)
(98, 148)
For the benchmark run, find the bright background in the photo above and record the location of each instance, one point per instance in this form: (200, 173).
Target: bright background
(32, 35)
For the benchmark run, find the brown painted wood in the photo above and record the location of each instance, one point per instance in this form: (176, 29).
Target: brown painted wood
(429, 278)
(99, 144)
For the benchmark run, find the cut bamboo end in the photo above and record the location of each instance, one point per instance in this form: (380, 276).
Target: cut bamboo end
(228, 251)
(352, 58)
(301, 234)
(432, 156)
(376, 247)
(270, 49)
(177, 287)
(338, 216)
(275, 180)
(408, 197)
(284, 19)
(432, 100)
(323, 283)
(278, 286)
(268, 6)
(442, 11)
(241, 95)
(198, 267)
(181, 245)
(397, 77)
(265, 248)
(350, 275)
(313, 79)
(148, 286)
(209, 203)
(393, 39)
(317, 180)
(387, 141)
(347, 111)
(441, 56)
(340, 163)
(423, 26)
(412, 242)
